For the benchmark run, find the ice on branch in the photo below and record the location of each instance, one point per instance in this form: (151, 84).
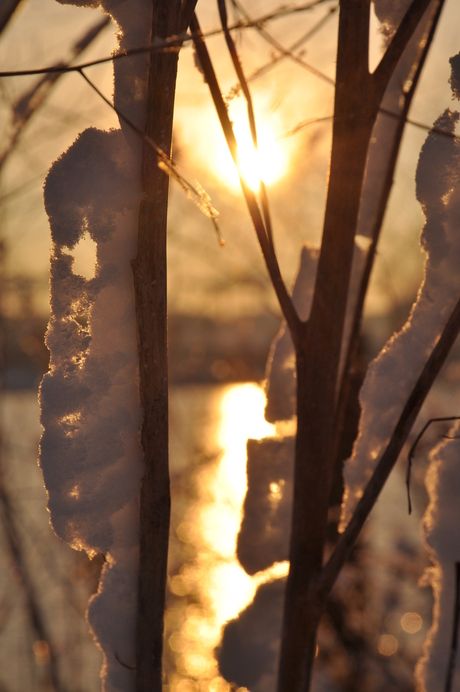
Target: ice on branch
(393, 374)
(90, 450)
(441, 524)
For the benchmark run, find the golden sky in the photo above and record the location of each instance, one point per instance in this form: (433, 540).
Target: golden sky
(205, 277)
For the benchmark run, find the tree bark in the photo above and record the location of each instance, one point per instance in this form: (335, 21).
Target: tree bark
(318, 352)
(149, 271)
(358, 98)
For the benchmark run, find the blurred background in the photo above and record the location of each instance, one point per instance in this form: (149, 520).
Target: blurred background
(222, 318)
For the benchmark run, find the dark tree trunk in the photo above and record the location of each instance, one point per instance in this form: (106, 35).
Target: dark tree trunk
(149, 271)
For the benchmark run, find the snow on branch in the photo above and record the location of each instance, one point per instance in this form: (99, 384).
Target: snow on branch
(392, 375)
(90, 451)
(441, 524)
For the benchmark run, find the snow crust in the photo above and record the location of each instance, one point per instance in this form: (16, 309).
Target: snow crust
(441, 524)
(263, 538)
(393, 373)
(390, 13)
(90, 451)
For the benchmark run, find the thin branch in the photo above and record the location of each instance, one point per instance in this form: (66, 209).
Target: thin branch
(410, 456)
(4, 199)
(415, 123)
(29, 103)
(170, 43)
(251, 117)
(454, 642)
(271, 261)
(307, 123)
(149, 269)
(320, 590)
(289, 52)
(195, 193)
(286, 52)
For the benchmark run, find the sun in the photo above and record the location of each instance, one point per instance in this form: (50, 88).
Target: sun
(269, 163)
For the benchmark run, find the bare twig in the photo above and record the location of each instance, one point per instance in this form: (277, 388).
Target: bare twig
(358, 98)
(173, 42)
(251, 117)
(289, 52)
(195, 193)
(271, 261)
(150, 291)
(31, 102)
(326, 579)
(286, 52)
(410, 456)
(187, 10)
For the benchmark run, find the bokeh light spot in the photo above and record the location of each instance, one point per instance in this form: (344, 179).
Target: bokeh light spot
(411, 622)
(388, 645)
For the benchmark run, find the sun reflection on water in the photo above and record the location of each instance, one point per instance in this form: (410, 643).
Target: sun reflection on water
(214, 579)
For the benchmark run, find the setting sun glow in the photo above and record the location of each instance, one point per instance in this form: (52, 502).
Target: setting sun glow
(268, 163)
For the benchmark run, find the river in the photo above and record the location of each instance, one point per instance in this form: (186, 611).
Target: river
(210, 425)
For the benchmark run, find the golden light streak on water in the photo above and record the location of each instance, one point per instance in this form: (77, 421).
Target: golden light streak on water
(215, 578)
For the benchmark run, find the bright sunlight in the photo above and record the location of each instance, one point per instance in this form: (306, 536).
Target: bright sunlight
(268, 163)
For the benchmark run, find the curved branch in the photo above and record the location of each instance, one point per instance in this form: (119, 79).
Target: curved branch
(321, 589)
(296, 326)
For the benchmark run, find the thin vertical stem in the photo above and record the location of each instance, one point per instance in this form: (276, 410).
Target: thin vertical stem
(149, 272)
(318, 354)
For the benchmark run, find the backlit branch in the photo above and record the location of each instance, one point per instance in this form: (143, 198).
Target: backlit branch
(321, 589)
(271, 261)
(251, 117)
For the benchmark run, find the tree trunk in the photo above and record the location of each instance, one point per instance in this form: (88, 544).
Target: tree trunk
(318, 353)
(149, 271)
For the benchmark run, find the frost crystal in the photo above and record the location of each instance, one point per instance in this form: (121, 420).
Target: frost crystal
(90, 450)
